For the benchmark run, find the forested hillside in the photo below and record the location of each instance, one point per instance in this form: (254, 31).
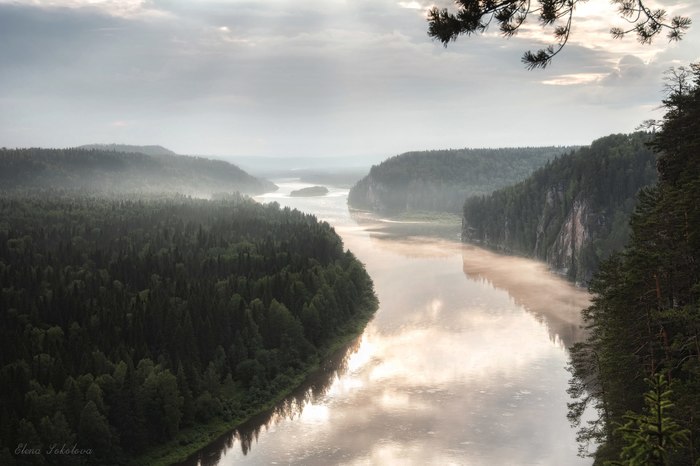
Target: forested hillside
(106, 170)
(640, 367)
(441, 180)
(126, 321)
(129, 148)
(572, 213)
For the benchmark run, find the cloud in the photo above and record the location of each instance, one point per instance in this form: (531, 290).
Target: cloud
(309, 77)
(119, 8)
(411, 5)
(629, 69)
(574, 79)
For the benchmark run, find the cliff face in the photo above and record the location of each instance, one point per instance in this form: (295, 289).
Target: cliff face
(574, 236)
(572, 213)
(563, 245)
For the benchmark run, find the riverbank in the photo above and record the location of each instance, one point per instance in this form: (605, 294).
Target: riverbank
(451, 369)
(190, 440)
(442, 225)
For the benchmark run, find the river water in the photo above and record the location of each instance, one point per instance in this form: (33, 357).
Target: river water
(464, 362)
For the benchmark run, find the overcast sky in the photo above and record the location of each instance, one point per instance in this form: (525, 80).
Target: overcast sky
(312, 78)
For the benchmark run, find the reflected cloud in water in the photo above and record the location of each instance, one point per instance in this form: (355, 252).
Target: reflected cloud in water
(550, 297)
(463, 363)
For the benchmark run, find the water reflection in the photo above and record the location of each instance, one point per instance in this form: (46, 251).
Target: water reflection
(553, 300)
(532, 286)
(299, 403)
(462, 364)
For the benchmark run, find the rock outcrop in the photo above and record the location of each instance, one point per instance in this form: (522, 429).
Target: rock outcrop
(572, 213)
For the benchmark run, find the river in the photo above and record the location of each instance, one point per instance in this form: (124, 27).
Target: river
(464, 362)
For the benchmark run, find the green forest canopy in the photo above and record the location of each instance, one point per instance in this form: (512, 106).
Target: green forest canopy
(644, 323)
(440, 180)
(109, 171)
(124, 321)
(601, 180)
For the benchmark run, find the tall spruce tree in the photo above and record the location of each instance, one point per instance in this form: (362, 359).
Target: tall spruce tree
(645, 318)
(652, 436)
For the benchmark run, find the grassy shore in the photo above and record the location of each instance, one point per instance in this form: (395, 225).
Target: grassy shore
(192, 439)
(446, 218)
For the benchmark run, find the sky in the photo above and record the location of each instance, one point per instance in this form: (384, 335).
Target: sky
(313, 78)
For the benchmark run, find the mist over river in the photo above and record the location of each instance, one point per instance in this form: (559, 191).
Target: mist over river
(463, 363)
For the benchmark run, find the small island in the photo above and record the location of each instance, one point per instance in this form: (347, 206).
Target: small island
(310, 191)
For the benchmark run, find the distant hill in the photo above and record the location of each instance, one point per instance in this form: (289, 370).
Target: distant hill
(148, 150)
(440, 180)
(108, 170)
(573, 212)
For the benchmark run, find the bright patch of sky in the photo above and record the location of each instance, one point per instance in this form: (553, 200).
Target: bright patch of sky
(313, 77)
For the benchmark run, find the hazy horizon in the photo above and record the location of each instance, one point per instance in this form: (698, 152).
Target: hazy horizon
(312, 78)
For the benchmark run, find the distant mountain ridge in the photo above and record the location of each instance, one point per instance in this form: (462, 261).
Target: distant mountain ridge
(109, 170)
(572, 213)
(441, 180)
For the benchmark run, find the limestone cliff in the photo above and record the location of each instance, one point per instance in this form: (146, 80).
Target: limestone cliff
(572, 213)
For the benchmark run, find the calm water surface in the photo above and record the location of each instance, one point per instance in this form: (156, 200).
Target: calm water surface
(464, 362)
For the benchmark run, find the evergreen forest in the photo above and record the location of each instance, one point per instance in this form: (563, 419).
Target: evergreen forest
(124, 321)
(104, 169)
(440, 180)
(639, 369)
(573, 212)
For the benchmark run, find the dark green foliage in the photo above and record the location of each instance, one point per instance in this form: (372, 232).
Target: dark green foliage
(572, 213)
(105, 170)
(652, 437)
(645, 319)
(440, 180)
(475, 16)
(123, 321)
(128, 148)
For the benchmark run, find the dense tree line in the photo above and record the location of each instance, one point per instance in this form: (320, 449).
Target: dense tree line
(124, 321)
(122, 172)
(440, 180)
(573, 212)
(129, 148)
(640, 367)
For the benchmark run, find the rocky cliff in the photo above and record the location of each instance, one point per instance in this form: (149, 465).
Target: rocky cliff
(561, 242)
(572, 213)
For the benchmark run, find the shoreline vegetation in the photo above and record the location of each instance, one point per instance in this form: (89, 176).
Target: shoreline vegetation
(444, 225)
(190, 441)
(144, 328)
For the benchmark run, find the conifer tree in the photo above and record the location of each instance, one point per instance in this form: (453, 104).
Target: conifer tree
(475, 16)
(652, 436)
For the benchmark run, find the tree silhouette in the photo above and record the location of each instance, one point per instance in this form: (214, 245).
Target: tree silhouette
(475, 16)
